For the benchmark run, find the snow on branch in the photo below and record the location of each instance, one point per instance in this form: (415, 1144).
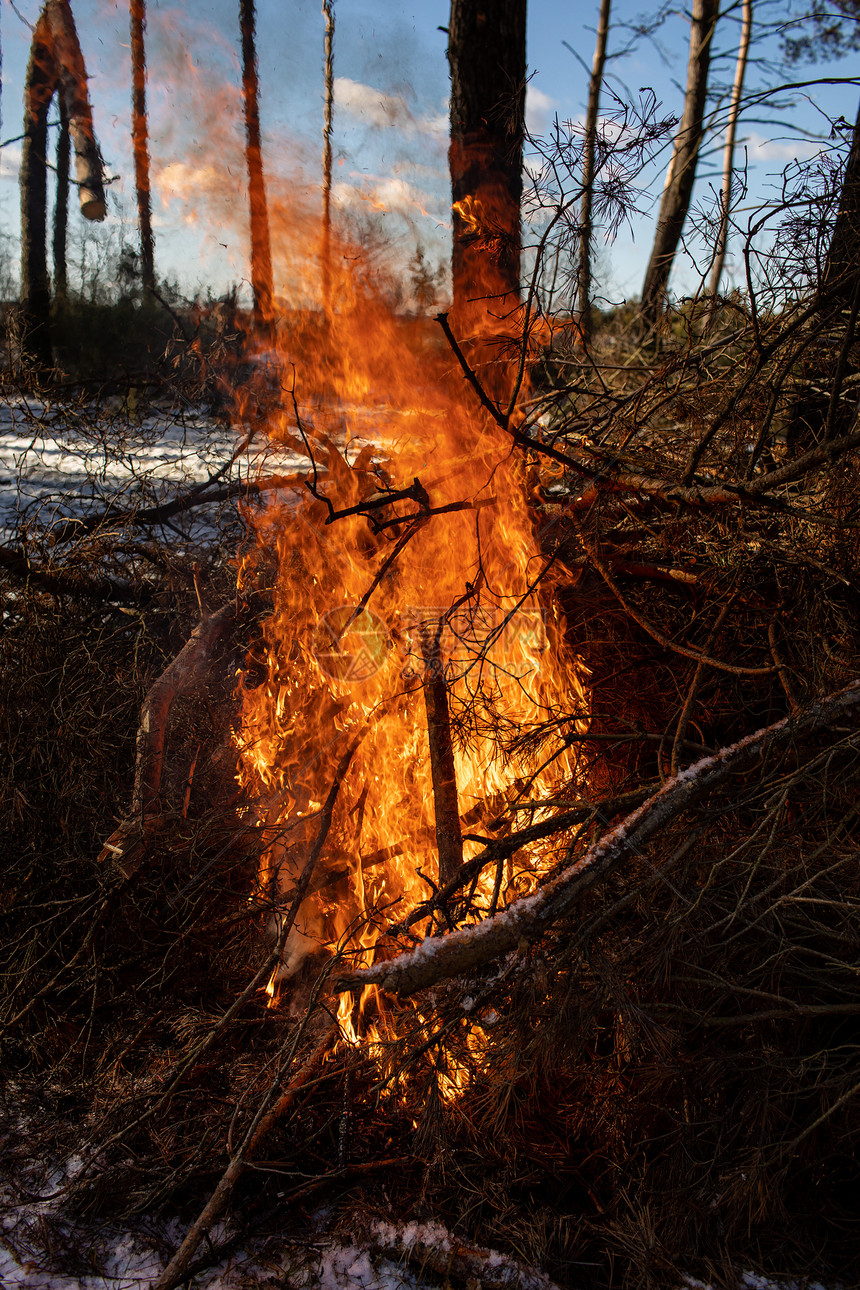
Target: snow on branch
(441, 957)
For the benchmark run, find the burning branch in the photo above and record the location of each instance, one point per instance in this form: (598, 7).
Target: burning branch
(441, 957)
(449, 838)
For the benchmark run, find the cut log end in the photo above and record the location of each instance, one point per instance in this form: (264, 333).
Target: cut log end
(93, 207)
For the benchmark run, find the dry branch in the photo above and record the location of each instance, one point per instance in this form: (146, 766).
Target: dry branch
(441, 957)
(276, 1103)
(68, 582)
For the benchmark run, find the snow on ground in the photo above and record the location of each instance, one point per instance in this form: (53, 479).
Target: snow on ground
(59, 461)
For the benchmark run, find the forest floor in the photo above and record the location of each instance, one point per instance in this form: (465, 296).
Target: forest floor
(661, 1084)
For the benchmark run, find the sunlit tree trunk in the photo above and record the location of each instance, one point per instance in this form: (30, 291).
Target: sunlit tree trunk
(140, 140)
(487, 58)
(56, 63)
(72, 86)
(681, 175)
(61, 205)
(729, 151)
(583, 274)
(261, 246)
(328, 11)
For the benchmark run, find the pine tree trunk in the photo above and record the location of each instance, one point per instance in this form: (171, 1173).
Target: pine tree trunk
(729, 152)
(56, 63)
(140, 140)
(583, 275)
(71, 74)
(39, 87)
(842, 269)
(682, 168)
(328, 12)
(61, 205)
(487, 58)
(261, 247)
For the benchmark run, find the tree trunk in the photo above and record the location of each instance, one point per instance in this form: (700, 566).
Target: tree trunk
(140, 140)
(71, 80)
(39, 87)
(449, 836)
(729, 153)
(328, 11)
(583, 274)
(261, 247)
(487, 58)
(841, 271)
(61, 205)
(56, 63)
(682, 168)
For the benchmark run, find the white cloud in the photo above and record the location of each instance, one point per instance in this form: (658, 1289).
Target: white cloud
(539, 110)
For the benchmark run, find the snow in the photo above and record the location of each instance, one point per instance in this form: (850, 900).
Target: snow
(754, 1281)
(60, 461)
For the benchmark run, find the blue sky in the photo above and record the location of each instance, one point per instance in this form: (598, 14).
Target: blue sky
(390, 121)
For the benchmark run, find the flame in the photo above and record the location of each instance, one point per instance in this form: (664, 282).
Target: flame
(413, 526)
(471, 211)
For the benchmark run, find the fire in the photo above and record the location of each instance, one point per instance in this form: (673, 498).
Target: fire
(471, 212)
(406, 568)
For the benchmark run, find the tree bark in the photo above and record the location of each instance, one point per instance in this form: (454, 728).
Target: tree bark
(583, 274)
(449, 837)
(682, 168)
(39, 86)
(842, 268)
(56, 63)
(261, 246)
(71, 74)
(140, 141)
(487, 59)
(61, 205)
(729, 152)
(328, 11)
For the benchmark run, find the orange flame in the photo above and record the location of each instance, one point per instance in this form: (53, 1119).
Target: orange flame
(414, 521)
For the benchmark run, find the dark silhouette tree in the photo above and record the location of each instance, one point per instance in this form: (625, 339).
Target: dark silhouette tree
(487, 59)
(261, 245)
(61, 204)
(681, 175)
(140, 140)
(56, 64)
(841, 278)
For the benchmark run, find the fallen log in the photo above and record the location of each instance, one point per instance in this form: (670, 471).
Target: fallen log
(468, 948)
